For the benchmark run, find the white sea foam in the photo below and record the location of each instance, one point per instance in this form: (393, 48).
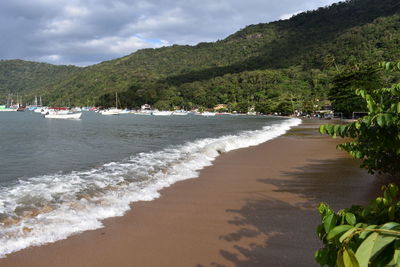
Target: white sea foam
(48, 208)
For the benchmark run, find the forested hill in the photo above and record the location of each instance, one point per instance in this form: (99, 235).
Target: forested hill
(21, 77)
(267, 64)
(341, 30)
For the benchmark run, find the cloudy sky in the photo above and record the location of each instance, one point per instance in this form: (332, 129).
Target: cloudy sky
(85, 32)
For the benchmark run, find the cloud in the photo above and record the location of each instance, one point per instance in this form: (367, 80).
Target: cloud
(83, 32)
(117, 45)
(76, 11)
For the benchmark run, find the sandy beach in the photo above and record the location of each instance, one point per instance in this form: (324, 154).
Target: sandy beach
(253, 207)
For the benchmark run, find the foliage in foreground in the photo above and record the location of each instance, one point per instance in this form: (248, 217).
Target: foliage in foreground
(362, 236)
(375, 138)
(367, 236)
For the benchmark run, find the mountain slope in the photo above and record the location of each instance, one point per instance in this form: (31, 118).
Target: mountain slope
(350, 32)
(22, 77)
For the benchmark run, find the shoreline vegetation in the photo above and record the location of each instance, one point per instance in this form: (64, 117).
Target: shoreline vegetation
(281, 67)
(241, 211)
(368, 235)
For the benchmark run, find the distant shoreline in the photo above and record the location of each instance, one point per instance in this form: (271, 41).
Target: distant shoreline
(250, 208)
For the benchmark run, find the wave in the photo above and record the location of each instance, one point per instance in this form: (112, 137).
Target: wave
(48, 208)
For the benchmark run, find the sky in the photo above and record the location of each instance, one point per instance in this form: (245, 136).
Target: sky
(86, 32)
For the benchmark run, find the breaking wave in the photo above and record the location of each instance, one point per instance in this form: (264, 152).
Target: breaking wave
(48, 208)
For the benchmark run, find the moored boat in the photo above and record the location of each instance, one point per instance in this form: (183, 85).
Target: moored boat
(180, 112)
(208, 114)
(161, 113)
(142, 112)
(112, 111)
(62, 114)
(71, 116)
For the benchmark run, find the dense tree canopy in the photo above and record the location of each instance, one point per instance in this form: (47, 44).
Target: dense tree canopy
(274, 67)
(343, 92)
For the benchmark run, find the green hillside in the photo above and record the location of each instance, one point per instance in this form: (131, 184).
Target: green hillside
(23, 77)
(275, 66)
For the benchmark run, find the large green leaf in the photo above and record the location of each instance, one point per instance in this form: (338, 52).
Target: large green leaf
(349, 259)
(338, 230)
(330, 222)
(380, 119)
(350, 218)
(390, 226)
(371, 246)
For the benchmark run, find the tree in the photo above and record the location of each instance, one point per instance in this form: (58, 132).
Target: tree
(163, 105)
(342, 95)
(375, 137)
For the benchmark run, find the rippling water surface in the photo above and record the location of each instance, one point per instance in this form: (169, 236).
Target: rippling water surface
(59, 177)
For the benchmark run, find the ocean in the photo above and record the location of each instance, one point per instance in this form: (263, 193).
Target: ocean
(61, 177)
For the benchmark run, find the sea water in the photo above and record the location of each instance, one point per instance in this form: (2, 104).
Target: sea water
(60, 177)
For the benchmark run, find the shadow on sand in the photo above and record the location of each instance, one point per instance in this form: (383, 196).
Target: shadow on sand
(290, 227)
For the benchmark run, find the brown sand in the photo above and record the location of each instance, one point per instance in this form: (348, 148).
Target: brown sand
(253, 207)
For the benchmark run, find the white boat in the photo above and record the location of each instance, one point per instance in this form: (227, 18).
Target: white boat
(161, 113)
(208, 114)
(125, 111)
(63, 114)
(180, 112)
(112, 111)
(142, 112)
(76, 109)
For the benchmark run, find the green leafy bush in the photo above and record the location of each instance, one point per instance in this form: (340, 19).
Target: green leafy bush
(367, 236)
(362, 236)
(375, 138)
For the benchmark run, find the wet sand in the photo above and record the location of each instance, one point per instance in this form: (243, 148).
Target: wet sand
(253, 207)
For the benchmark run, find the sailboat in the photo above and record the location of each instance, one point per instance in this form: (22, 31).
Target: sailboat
(113, 111)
